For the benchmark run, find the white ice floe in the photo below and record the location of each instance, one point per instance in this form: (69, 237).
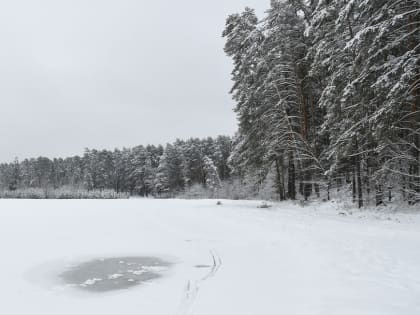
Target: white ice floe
(153, 269)
(90, 282)
(138, 272)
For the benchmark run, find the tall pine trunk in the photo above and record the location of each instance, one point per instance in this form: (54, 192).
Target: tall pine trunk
(414, 169)
(359, 183)
(354, 180)
(291, 185)
(359, 175)
(280, 178)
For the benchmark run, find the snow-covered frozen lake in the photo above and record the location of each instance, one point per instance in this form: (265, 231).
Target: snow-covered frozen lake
(232, 259)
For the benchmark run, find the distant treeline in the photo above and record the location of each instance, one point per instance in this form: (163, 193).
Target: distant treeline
(142, 170)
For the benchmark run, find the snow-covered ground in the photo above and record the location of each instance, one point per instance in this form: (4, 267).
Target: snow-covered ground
(232, 259)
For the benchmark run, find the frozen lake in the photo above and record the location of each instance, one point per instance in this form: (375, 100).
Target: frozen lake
(192, 257)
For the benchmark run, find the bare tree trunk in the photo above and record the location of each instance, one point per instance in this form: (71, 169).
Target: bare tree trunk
(359, 183)
(316, 187)
(357, 168)
(368, 180)
(291, 177)
(379, 195)
(328, 190)
(389, 193)
(354, 180)
(414, 178)
(280, 179)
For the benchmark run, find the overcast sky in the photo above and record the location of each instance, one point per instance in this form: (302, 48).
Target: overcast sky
(112, 73)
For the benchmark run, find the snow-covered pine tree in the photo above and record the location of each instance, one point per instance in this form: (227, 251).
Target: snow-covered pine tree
(387, 61)
(274, 106)
(192, 150)
(327, 77)
(212, 179)
(331, 26)
(221, 152)
(288, 111)
(243, 43)
(161, 182)
(142, 174)
(15, 175)
(175, 166)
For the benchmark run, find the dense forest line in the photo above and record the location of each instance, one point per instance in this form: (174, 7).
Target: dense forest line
(328, 95)
(142, 170)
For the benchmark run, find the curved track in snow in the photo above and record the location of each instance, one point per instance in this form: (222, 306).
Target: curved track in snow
(193, 286)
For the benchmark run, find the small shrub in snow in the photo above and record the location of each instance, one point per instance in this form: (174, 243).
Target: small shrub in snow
(264, 205)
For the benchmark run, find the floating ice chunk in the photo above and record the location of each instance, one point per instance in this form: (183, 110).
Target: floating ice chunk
(90, 282)
(138, 272)
(154, 268)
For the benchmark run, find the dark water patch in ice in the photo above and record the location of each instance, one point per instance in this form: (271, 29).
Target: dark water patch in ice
(101, 275)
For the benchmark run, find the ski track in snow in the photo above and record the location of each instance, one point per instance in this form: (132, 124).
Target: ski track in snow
(193, 287)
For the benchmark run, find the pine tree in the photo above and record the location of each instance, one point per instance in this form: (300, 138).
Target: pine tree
(212, 179)
(15, 176)
(162, 184)
(387, 61)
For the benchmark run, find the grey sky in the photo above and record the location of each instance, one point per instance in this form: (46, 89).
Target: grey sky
(112, 73)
